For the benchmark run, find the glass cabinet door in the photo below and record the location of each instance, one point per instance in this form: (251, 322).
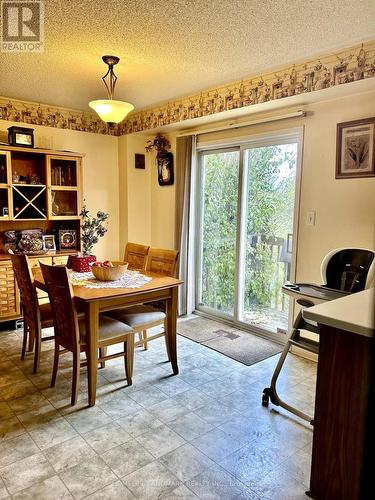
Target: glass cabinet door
(63, 187)
(4, 203)
(64, 203)
(64, 172)
(4, 185)
(4, 174)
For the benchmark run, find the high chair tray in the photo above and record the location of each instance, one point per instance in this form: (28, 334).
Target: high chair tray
(317, 293)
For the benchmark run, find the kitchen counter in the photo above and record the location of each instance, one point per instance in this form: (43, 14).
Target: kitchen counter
(354, 313)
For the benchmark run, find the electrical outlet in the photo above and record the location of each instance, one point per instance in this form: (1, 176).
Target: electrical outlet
(310, 220)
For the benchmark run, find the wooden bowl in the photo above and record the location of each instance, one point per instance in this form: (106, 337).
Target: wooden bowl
(110, 273)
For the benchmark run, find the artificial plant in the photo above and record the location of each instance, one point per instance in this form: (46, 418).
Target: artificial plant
(93, 228)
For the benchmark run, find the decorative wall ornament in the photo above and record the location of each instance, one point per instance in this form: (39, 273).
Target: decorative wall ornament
(345, 66)
(164, 159)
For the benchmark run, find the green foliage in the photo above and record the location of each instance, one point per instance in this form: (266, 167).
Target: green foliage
(270, 219)
(219, 229)
(270, 205)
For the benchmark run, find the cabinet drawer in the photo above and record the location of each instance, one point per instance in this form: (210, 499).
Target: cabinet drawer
(60, 260)
(34, 263)
(9, 301)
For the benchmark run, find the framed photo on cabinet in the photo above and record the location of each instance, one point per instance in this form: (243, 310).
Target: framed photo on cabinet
(67, 239)
(49, 242)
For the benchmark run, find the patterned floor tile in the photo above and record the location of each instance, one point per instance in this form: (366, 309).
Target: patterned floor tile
(160, 441)
(26, 472)
(114, 491)
(45, 490)
(106, 437)
(127, 458)
(186, 462)
(87, 477)
(69, 453)
(152, 481)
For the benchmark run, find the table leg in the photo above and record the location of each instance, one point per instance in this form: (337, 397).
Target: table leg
(92, 333)
(170, 329)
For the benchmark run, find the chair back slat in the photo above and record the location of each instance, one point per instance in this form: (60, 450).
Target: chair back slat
(163, 262)
(136, 255)
(63, 308)
(28, 294)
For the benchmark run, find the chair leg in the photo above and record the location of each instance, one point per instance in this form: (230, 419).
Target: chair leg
(31, 340)
(140, 337)
(166, 341)
(55, 364)
(24, 340)
(144, 338)
(38, 346)
(102, 354)
(75, 379)
(129, 358)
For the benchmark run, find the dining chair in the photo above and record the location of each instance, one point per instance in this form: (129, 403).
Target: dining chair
(36, 316)
(143, 317)
(70, 329)
(136, 255)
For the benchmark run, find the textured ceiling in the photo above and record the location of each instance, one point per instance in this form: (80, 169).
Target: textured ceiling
(171, 48)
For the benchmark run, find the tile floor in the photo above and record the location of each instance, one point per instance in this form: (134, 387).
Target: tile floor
(201, 434)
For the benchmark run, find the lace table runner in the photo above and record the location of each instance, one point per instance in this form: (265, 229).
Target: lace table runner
(131, 279)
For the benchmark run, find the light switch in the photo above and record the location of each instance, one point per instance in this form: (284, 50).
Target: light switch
(310, 220)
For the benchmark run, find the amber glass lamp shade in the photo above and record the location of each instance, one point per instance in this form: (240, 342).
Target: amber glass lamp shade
(111, 111)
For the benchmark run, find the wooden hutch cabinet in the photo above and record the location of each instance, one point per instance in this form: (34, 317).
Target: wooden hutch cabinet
(39, 189)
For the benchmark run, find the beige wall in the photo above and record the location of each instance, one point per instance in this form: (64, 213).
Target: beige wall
(162, 207)
(100, 174)
(146, 209)
(135, 191)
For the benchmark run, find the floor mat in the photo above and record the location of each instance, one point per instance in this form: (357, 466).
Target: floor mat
(236, 344)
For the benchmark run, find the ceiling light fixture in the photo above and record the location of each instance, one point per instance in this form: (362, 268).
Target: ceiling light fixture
(109, 110)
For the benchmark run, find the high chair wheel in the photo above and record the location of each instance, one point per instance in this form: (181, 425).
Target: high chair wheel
(265, 400)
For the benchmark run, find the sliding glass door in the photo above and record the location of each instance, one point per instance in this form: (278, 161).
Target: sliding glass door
(219, 177)
(245, 239)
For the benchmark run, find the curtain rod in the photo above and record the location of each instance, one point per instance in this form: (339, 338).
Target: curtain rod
(235, 125)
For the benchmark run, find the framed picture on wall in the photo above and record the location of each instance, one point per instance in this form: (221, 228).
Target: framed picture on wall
(139, 161)
(165, 168)
(355, 149)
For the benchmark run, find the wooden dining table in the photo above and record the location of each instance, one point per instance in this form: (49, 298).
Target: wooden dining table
(94, 301)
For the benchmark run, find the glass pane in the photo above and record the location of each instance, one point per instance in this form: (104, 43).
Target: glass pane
(64, 203)
(3, 169)
(219, 219)
(4, 208)
(63, 172)
(269, 228)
